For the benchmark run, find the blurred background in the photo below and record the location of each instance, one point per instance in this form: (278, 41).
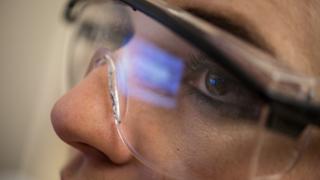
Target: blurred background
(32, 57)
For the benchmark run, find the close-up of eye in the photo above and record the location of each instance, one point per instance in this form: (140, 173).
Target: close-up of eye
(214, 83)
(222, 88)
(218, 93)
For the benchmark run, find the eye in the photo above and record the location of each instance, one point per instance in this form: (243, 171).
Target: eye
(216, 85)
(213, 84)
(219, 86)
(219, 92)
(210, 80)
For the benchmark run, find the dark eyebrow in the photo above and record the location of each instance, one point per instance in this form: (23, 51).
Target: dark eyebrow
(239, 27)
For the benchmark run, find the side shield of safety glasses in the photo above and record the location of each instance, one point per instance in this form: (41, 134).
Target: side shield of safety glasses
(219, 109)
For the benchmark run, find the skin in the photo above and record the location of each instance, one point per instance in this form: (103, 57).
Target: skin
(83, 116)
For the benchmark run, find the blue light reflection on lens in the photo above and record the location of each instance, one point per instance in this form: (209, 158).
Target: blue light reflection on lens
(158, 72)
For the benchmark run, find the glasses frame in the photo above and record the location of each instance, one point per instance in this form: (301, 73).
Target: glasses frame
(286, 115)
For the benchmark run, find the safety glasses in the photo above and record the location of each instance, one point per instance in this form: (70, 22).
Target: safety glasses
(189, 99)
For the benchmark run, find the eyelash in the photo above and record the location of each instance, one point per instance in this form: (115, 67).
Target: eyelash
(207, 104)
(203, 98)
(199, 67)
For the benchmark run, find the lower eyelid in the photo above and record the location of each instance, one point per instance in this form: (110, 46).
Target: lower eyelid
(196, 79)
(203, 98)
(209, 105)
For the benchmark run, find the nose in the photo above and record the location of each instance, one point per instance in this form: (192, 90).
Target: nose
(83, 118)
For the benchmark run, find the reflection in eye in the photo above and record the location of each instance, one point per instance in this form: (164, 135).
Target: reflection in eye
(217, 90)
(210, 79)
(216, 87)
(215, 84)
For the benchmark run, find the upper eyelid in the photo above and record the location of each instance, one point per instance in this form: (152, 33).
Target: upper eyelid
(200, 62)
(197, 60)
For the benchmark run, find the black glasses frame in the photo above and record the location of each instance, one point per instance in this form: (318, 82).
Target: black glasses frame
(286, 115)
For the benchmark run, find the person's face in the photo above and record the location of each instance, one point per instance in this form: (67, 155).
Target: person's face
(83, 117)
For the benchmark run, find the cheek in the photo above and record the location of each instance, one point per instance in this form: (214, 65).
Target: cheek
(214, 154)
(212, 147)
(182, 143)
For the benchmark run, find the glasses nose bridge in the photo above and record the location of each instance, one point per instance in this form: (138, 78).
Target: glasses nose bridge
(104, 57)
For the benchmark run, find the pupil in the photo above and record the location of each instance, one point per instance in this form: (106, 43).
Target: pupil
(215, 84)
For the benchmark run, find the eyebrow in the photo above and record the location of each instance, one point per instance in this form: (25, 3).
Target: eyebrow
(238, 26)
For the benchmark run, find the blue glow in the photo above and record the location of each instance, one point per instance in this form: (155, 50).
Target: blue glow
(213, 82)
(158, 69)
(158, 72)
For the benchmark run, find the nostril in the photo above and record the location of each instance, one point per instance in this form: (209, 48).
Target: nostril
(72, 135)
(91, 152)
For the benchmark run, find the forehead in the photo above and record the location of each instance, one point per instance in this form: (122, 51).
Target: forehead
(291, 11)
(290, 27)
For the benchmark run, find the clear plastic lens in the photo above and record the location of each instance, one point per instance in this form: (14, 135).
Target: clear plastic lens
(277, 154)
(96, 29)
(177, 110)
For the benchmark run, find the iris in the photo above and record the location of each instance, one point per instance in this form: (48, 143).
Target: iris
(215, 84)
